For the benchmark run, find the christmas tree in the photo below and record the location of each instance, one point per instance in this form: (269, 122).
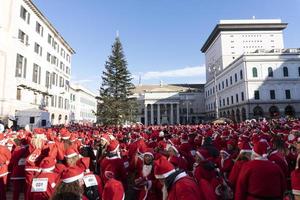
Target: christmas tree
(116, 105)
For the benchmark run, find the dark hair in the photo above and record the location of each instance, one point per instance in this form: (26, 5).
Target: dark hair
(66, 196)
(67, 188)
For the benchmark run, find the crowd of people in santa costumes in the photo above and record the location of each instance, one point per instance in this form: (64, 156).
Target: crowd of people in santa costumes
(243, 161)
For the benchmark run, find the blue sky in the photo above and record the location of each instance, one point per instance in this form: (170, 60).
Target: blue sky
(161, 38)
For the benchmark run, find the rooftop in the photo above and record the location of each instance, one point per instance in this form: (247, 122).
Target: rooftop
(243, 25)
(169, 88)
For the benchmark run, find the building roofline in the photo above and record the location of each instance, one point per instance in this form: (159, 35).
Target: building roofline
(48, 24)
(241, 27)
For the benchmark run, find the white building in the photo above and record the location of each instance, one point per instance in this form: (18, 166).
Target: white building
(35, 62)
(170, 104)
(83, 104)
(255, 75)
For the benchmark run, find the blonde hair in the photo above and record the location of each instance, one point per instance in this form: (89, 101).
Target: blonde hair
(38, 140)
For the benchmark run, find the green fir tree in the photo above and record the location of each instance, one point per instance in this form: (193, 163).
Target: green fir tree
(116, 105)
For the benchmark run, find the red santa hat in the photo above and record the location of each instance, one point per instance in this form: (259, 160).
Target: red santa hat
(72, 174)
(113, 146)
(47, 164)
(105, 137)
(113, 189)
(149, 151)
(184, 137)
(203, 154)
(65, 134)
(245, 147)
(163, 168)
(84, 164)
(70, 153)
(260, 148)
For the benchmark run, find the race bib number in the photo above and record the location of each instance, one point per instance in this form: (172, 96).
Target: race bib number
(22, 161)
(39, 185)
(90, 180)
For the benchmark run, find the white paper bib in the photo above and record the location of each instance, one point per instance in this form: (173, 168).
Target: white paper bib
(90, 180)
(39, 185)
(22, 161)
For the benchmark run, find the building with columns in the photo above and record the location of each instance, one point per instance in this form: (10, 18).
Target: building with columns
(170, 104)
(249, 72)
(35, 63)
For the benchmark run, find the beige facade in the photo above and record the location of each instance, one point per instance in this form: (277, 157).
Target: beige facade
(170, 104)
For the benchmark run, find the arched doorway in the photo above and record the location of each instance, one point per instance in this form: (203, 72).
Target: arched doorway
(224, 114)
(59, 119)
(244, 114)
(289, 111)
(232, 115)
(228, 114)
(52, 118)
(258, 112)
(273, 111)
(238, 115)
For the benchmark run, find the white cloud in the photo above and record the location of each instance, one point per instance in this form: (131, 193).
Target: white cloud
(197, 71)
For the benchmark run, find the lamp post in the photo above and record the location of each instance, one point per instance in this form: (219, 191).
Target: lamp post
(213, 68)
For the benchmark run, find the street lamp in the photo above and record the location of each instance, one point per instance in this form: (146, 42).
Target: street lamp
(213, 68)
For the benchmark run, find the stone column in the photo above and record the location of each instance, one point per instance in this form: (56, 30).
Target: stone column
(172, 114)
(177, 105)
(152, 114)
(158, 113)
(145, 115)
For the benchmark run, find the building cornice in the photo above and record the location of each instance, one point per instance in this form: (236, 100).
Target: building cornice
(48, 24)
(241, 27)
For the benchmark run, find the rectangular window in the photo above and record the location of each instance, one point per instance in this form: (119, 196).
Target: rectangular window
(231, 99)
(242, 95)
(223, 102)
(21, 64)
(61, 82)
(39, 29)
(226, 82)
(36, 74)
(48, 80)
(272, 94)
(237, 98)
(235, 77)
(38, 49)
(227, 101)
(23, 37)
(19, 91)
(241, 75)
(50, 39)
(48, 57)
(25, 15)
(230, 80)
(287, 94)
(222, 84)
(256, 94)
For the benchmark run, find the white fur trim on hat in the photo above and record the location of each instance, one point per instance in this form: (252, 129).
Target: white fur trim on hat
(48, 169)
(72, 179)
(296, 192)
(246, 151)
(165, 175)
(148, 153)
(65, 138)
(71, 155)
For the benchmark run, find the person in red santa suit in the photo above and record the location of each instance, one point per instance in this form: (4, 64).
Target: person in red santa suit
(113, 189)
(92, 182)
(175, 158)
(114, 160)
(5, 156)
(295, 180)
(148, 187)
(205, 174)
(71, 156)
(71, 182)
(177, 185)
(17, 167)
(42, 185)
(187, 150)
(260, 178)
(225, 163)
(243, 157)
